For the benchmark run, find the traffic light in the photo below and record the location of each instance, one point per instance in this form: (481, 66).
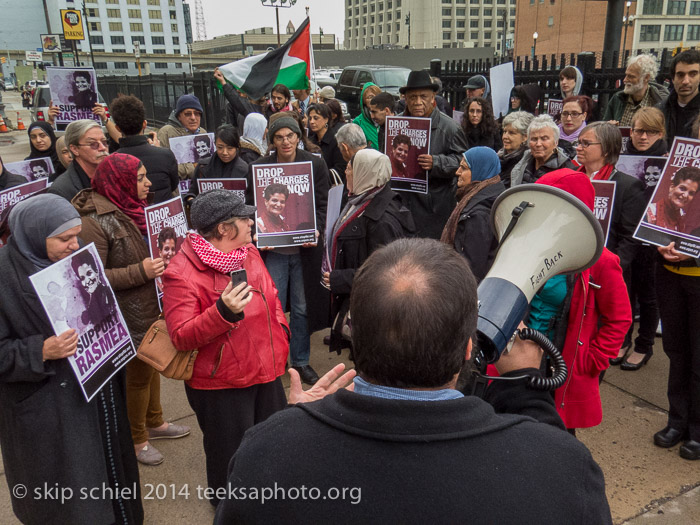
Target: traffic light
(2, 60)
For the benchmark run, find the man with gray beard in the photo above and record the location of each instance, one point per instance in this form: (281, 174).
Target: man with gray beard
(640, 91)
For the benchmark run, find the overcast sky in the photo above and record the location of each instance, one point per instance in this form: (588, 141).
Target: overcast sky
(225, 17)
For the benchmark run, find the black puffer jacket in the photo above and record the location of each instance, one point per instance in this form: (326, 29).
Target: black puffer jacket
(160, 163)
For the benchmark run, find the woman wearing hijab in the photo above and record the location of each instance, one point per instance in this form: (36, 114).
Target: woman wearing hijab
(373, 217)
(42, 143)
(364, 119)
(253, 141)
(113, 218)
(49, 435)
(469, 227)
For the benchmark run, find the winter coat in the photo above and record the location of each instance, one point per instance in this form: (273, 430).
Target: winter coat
(248, 151)
(174, 129)
(10, 180)
(330, 152)
(447, 143)
(70, 182)
(474, 238)
(384, 220)
(205, 170)
(122, 249)
(160, 164)
(599, 296)
(364, 120)
(317, 297)
(250, 351)
(476, 138)
(49, 434)
(679, 121)
(616, 105)
(509, 161)
(629, 205)
(525, 172)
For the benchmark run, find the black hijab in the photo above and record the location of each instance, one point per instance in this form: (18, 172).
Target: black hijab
(51, 152)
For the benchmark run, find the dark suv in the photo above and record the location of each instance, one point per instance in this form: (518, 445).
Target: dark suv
(388, 78)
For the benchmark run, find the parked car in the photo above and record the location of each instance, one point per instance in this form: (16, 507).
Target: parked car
(8, 85)
(42, 97)
(388, 78)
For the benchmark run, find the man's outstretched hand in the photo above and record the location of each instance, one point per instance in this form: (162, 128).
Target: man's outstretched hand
(328, 384)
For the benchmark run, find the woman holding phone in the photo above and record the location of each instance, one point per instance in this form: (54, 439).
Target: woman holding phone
(240, 330)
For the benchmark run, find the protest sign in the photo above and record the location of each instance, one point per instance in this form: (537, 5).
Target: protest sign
(406, 139)
(604, 200)
(74, 92)
(11, 196)
(75, 294)
(237, 186)
(184, 187)
(502, 84)
(554, 108)
(625, 132)
(33, 169)
(457, 116)
(284, 196)
(673, 213)
(333, 209)
(167, 229)
(192, 148)
(646, 169)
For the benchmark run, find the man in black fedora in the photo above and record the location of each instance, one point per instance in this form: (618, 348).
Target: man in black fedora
(447, 143)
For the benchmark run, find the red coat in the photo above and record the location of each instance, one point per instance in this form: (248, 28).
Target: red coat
(231, 355)
(587, 347)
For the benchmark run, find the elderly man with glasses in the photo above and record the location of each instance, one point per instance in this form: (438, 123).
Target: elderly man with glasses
(185, 120)
(88, 145)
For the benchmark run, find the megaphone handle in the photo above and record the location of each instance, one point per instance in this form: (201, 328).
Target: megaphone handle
(560, 370)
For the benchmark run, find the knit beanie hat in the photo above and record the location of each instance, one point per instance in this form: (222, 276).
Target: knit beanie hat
(280, 123)
(215, 206)
(187, 102)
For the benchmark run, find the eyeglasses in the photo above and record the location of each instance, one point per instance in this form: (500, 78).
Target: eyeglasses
(281, 138)
(96, 144)
(190, 114)
(572, 114)
(583, 143)
(648, 132)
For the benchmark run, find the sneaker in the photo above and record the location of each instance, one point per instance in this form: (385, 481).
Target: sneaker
(150, 455)
(172, 432)
(658, 330)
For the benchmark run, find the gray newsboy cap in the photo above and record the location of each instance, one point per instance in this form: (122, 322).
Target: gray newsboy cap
(212, 207)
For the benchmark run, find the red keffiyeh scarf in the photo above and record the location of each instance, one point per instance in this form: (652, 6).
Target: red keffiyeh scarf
(115, 179)
(216, 259)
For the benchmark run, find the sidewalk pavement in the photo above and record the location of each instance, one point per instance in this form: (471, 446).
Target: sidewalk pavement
(645, 484)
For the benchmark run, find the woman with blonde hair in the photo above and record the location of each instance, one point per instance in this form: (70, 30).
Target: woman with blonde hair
(647, 134)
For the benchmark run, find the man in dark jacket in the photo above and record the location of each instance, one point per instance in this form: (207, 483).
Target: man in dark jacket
(381, 107)
(406, 446)
(129, 116)
(447, 142)
(683, 106)
(298, 269)
(88, 145)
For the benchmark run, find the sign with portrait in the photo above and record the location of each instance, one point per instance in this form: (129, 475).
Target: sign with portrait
(76, 294)
(193, 148)
(74, 92)
(237, 186)
(32, 169)
(673, 213)
(11, 196)
(406, 139)
(604, 200)
(646, 169)
(554, 108)
(284, 196)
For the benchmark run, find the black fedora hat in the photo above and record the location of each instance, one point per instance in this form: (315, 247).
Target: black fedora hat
(418, 80)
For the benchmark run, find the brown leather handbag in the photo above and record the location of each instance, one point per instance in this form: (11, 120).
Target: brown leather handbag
(157, 350)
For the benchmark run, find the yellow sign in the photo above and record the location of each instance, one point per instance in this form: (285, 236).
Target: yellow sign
(72, 24)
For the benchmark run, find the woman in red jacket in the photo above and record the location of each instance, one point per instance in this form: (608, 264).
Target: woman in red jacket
(240, 331)
(599, 315)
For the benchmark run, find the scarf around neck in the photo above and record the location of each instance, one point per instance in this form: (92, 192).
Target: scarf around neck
(216, 259)
(574, 134)
(603, 173)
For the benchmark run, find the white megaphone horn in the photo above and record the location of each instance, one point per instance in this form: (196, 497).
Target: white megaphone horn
(543, 231)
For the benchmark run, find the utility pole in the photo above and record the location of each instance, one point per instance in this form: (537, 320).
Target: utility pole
(408, 23)
(87, 26)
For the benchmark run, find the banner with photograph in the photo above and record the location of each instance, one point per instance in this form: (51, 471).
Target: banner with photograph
(75, 294)
(673, 213)
(284, 196)
(74, 92)
(554, 108)
(193, 148)
(625, 132)
(646, 169)
(237, 186)
(33, 169)
(167, 229)
(604, 200)
(406, 139)
(11, 196)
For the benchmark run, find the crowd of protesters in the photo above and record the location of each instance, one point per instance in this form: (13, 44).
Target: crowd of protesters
(244, 340)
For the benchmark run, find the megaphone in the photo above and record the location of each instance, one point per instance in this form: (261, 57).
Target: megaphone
(543, 231)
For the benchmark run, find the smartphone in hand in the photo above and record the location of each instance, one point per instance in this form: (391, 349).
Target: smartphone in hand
(238, 277)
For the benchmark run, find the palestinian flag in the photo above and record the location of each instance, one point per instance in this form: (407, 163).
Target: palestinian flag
(289, 65)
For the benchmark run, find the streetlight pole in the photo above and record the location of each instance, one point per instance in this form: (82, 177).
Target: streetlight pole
(535, 36)
(277, 4)
(626, 21)
(320, 37)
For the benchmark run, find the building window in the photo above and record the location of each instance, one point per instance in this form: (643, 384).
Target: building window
(159, 51)
(136, 26)
(398, 27)
(100, 65)
(512, 11)
(133, 2)
(676, 7)
(171, 3)
(173, 15)
(173, 28)
(117, 40)
(446, 11)
(93, 12)
(158, 40)
(447, 36)
(157, 28)
(121, 65)
(694, 8)
(653, 7)
(532, 2)
(461, 11)
(134, 13)
(141, 40)
(153, 14)
(673, 33)
(113, 13)
(474, 11)
(111, 1)
(178, 65)
(176, 40)
(487, 34)
(96, 40)
(512, 24)
(488, 12)
(447, 24)
(474, 24)
(446, 1)
(161, 65)
(460, 24)
(398, 3)
(474, 35)
(499, 23)
(649, 33)
(487, 23)
(153, 2)
(460, 36)
(693, 33)
(95, 26)
(115, 26)
(461, 2)
(550, 21)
